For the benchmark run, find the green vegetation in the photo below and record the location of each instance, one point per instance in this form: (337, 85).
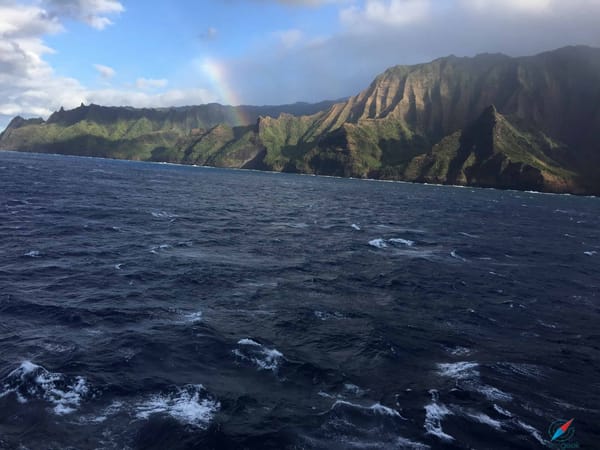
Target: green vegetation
(427, 123)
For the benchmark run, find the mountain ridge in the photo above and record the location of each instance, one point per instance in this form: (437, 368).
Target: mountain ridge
(546, 106)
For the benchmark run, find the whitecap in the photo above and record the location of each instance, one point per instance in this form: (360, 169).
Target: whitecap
(434, 414)
(591, 253)
(189, 405)
(467, 375)
(247, 341)
(264, 358)
(535, 433)
(353, 389)
(356, 227)
(473, 236)
(378, 243)
(193, 317)
(376, 408)
(502, 411)
(156, 248)
(31, 381)
(486, 420)
(33, 254)
(457, 256)
(163, 215)
(118, 266)
(459, 370)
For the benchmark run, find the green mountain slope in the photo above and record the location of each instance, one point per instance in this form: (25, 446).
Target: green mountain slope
(419, 123)
(493, 152)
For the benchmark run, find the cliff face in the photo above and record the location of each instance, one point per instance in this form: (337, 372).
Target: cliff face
(429, 122)
(492, 152)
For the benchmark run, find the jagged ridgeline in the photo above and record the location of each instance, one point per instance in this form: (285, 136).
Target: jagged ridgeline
(491, 120)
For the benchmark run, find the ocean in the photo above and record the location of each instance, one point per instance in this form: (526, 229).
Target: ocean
(153, 306)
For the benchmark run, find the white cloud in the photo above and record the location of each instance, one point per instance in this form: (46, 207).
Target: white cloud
(30, 87)
(105, 71)
(95, 13)
(376, 34)
(386, 12)
(173, 97)
(149, 83)
(531, 6)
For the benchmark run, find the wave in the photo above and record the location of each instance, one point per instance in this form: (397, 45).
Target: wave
(467, 375)
(189, 405)
(264, 358)
(434, 414)
(376, 408)
(31, 381)
(383, 243)
(378, 243)
(163, 215)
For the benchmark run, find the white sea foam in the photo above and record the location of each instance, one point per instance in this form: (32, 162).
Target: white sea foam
(118, 266)
(378, 243)
(33, 254)
(249, 342)
(193, 317)
(459, 370)
(457, 256)
(486, 420)
(31, 381)
(189, 405)
(354, 389)
(264, 358)
(591, 253)
(535, 433)
(376, 408)
(473, 236)
(434, 414)
(356, 227)
(467, 375)
(157, 248)
(164, 215)
(502, 411)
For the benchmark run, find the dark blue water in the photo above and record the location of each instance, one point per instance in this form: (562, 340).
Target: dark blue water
(156, 306)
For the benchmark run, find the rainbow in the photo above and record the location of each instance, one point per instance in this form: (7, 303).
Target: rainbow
(217, 74)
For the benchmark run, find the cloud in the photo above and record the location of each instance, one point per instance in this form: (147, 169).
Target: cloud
(148, 83)
(387, 12)
(30, 87)
(105, 71)
(373, 35)
(93, 12)
(173, 97)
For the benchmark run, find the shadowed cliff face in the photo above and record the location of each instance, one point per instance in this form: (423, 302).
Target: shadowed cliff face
(421, 122)
(493, 152)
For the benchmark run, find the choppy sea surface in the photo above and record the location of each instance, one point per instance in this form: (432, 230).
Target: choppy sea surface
(166, 307)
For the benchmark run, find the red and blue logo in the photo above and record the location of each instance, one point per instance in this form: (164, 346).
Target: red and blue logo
(561, 434)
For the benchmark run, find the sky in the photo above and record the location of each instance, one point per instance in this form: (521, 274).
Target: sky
(145, 53)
